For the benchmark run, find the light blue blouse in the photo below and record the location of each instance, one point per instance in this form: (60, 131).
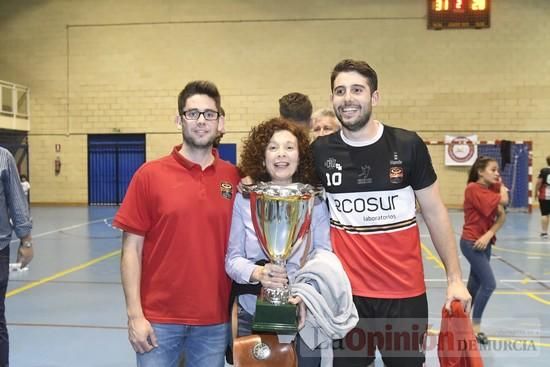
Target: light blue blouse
(244, 248)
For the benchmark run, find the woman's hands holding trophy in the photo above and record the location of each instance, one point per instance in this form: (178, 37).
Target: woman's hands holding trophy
(270, 275)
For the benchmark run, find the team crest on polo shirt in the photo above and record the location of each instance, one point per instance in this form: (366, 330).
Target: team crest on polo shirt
(226, 190)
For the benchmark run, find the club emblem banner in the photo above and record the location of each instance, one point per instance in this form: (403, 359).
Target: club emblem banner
(460, 150)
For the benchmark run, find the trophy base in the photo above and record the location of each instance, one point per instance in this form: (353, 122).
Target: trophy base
(280, 319)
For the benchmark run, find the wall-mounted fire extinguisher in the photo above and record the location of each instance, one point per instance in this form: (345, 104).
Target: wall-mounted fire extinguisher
(57, 165)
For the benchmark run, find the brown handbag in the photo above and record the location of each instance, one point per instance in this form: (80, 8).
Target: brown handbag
(263, 350)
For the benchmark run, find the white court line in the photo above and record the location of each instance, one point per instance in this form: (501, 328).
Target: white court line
(65, 228)
(520, 240)
(501, 238)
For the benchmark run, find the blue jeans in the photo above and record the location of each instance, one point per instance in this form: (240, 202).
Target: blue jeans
(481, 282)
(199, 345)
(4, 274)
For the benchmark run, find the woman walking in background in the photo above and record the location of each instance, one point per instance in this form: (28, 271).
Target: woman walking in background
(484, 200)
(542, 193)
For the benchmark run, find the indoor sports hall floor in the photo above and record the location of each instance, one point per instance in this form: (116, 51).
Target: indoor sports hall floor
(68, 309)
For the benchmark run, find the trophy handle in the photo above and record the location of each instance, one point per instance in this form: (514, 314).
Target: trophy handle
(307, 221)
(257, 228)
(305, 227)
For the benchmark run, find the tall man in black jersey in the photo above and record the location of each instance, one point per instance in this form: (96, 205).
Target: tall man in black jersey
(373, 174)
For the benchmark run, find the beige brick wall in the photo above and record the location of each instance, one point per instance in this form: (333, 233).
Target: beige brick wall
(70, 185)
(98, 66)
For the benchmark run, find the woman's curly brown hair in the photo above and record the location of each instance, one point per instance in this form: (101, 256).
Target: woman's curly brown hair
(253, 154)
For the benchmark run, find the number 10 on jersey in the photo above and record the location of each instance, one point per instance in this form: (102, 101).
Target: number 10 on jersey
(334, 178)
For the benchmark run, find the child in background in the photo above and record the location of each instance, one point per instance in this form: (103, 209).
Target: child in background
(484, 200)
(25, 184)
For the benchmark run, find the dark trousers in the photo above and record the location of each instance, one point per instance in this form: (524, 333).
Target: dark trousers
(4, 274)
(396, 327)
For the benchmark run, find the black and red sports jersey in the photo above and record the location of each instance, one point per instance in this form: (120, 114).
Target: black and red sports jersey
(544, 190)
(370, 190)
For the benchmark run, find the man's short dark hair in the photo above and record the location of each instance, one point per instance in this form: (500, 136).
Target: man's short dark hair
(296, 107)
(361, 67)
(198, 87)
(548, 160)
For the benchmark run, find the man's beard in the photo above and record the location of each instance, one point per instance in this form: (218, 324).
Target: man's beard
(357, 125)
(193, 143)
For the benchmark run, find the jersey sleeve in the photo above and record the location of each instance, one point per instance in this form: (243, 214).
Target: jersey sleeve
(423, 173)
(133, 215)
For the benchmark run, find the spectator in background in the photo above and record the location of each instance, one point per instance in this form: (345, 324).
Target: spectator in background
(324, 122)
(484, 200)
(14, 208)
(296, 107)
(25, 184)
(542, 193)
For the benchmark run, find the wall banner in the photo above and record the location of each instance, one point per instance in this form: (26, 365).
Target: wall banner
(460, 150)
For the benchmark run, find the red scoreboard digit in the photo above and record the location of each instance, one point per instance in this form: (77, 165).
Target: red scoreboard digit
(444, 14)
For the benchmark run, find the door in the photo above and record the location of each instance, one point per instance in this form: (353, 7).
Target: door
(112, 161)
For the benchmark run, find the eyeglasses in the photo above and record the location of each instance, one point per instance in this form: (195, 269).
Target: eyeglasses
(193, 115)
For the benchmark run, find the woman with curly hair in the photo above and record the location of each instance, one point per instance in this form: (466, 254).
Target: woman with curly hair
(275, 151)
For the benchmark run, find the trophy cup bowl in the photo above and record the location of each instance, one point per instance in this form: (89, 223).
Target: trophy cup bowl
(281, 215)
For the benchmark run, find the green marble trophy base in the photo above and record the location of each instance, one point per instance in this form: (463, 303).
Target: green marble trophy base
(280, 319)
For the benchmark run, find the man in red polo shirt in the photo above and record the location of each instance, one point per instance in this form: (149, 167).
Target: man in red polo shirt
(176, 218)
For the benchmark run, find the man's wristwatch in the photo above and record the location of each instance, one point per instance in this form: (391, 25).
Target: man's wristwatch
(27, 244)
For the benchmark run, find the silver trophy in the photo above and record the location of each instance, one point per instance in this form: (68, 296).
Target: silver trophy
(281, 215)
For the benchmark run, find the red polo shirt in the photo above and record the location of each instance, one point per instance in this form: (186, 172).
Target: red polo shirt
(184, 213)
